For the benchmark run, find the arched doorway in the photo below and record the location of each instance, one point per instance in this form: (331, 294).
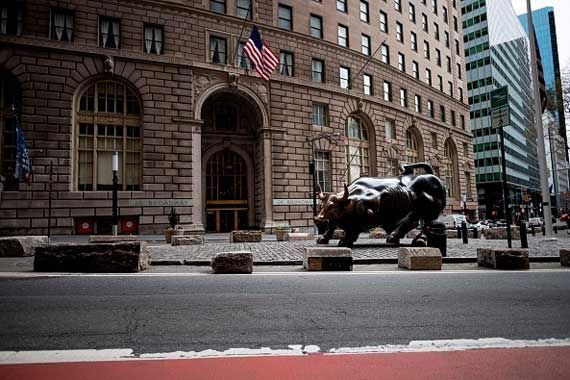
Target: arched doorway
(226, 192)
(10, 107)
(232, 162)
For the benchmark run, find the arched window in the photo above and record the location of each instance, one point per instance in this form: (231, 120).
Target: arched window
(451, 169)
(412, 153)
(9, 106)
(357, 149)
(108, 120)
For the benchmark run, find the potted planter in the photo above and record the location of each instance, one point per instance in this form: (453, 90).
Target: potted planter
(174, 229)
(282, 233)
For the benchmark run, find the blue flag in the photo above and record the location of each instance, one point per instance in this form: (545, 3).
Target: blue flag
(23, 170)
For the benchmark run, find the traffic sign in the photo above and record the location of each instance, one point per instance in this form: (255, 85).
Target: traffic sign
(500, 117)
(500, 97)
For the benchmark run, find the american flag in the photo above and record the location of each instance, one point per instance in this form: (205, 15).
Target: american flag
(260, 54)
(23, 170)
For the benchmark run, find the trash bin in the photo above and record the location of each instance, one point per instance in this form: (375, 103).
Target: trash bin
(437, 237)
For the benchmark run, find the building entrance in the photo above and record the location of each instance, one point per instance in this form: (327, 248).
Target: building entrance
(226, 192)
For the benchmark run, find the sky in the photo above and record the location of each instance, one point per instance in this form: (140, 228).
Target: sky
(561, 16)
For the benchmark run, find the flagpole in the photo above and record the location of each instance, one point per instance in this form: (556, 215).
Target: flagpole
(546, 210)
(366, 63)
(241, 33)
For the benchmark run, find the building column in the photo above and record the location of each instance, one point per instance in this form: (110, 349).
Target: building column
(267, 222)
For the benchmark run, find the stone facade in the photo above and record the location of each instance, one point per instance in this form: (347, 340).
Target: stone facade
(177, 89)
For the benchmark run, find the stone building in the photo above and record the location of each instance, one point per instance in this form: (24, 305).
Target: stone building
(166, 84)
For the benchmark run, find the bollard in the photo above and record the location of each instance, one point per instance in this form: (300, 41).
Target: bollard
(475, 233)
(524, 240)
(464, 233)
(459, 232)
(555, 229)
(532, 230)
(543, 231)
(437, 237)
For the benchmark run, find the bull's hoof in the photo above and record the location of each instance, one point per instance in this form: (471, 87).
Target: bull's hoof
(322, 240)
(344, 243)
(391, 239)
(419, 241)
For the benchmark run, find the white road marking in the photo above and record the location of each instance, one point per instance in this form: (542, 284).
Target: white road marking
(60, 356)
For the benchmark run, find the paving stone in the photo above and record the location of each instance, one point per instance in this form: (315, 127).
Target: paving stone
(415, 258)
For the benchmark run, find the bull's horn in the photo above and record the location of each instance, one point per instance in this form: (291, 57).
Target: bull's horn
(321, 195)
(345, 195)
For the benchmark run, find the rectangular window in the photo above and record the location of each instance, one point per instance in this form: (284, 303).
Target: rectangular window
(433, 140)
(453, 120)
(448, 64)
(318, 70)
(365, 44)
(218, 6)
(450, 89)
(404, 97)
(390, 129)
(286, 64)
(342, 35)
(61, 25)
(436, 30)
(413, 41)
(398, 5)
(341, 5)
(399, 32)
(385, 53)
(446, 34)
(153, 39)
(460, 94)
(428, 76)
(368, 85)
(387, 91)
(323, 170)
(418, 103)
(431, 112)
(243, 9)
(438, 57)
(364, 11)
(344, 77)
(426, 50)
(242, 60)
(109, 32)
(425, 27)
(457, 47)
(440, 83)
(459, 70)
(442, 113)
(218, 50)
(285, 14)
(434, 6)
(316, 26)
(412, 13)
(11, 19)
(320, 114)
(462, 121)
(445, 15)
(383, 22)
(455, 24)
(415, 70)
(401, 62)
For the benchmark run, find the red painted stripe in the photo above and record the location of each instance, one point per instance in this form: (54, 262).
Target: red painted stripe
(482, 364)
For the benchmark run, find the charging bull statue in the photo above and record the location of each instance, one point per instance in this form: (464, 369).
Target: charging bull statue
(397, 205)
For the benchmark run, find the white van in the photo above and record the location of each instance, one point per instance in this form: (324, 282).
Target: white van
(453, 220)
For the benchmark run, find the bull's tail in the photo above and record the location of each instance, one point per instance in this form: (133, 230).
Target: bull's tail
(409, 168)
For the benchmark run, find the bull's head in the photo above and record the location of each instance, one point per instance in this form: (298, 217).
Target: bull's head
(332, 207)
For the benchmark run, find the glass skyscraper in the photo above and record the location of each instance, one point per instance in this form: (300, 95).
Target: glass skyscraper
(497, 54)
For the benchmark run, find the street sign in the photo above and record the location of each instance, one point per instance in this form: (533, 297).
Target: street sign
(500, 111)
(500, 97)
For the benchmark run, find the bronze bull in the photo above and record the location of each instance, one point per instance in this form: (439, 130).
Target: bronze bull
(397, 205)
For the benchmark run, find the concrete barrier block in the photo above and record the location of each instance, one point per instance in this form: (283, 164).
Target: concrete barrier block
(327, 259)
(504, 258)
(92, 257)
(300, 236)
(112, 238)
(239, 262)
(20, 246)
(245, 236)
(420, 258)
(187, 240)
(565, 257)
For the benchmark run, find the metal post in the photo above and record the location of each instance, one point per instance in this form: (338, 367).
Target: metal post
(547, 212)
(505, 188)
(49, 199)
(115, 193)
(464, 233)
(523, 232)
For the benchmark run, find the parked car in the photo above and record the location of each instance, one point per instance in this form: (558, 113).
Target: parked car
(535, 222)
(480, 225)
(453, 220)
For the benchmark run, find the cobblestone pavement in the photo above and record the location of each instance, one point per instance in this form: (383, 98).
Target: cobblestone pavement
(281, 252)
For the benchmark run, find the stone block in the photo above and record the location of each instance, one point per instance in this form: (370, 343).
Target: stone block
(565, 257)
(187, 240)
(112, 238)
(245, 236)
(500, 233)
(92, 257)
(19, 246)
(239, 262)
(300, 236)
(327, 259)
(505, 258)
(420, 258)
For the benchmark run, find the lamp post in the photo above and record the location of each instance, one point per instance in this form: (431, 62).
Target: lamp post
(115, 192)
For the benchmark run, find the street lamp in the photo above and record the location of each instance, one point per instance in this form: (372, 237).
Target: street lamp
(115, 191)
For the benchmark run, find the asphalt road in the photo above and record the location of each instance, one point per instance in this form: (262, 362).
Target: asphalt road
(166, 313)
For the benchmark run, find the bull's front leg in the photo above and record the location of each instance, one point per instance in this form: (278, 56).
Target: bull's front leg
(327, 236)
(405, 225)
(349, 238)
